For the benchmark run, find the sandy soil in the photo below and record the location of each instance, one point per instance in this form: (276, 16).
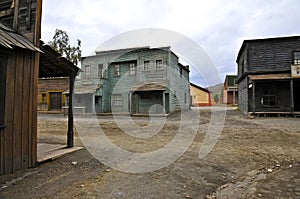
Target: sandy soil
(253, 158)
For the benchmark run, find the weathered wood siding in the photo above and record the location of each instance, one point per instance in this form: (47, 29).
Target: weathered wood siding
(18, 140)
(125, 83)
(243, 93)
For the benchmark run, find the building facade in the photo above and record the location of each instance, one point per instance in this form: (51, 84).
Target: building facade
(199, 96)
(135, 81)
(269, 75)
(53, 93)
(230, 91)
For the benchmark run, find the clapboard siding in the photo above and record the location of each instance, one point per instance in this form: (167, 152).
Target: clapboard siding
(124, 84)
(264, 58)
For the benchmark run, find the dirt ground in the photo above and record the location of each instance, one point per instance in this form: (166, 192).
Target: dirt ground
(253, 158)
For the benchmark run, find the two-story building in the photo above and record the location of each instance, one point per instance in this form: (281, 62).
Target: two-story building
(269, 75)
(134, 81)
(230, 90)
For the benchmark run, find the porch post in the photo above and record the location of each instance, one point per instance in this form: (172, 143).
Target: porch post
(70, 136)
(292, 94)
(253, 96)
(233, 101)
(164, 101)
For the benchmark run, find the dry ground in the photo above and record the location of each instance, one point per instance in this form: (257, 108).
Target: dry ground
(253, 158)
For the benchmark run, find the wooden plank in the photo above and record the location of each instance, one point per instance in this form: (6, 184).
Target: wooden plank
(9, 130)
(3, 66)
(26, 135)
(34, 79)
(18, 111)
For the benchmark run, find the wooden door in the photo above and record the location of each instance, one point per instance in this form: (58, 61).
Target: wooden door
(55, 101)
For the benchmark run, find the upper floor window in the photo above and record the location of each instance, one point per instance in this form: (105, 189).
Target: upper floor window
(297, 57)
(100, 70)
(132, 69)
(159, 65)
(146, 65)
(116, 70)
(87, 71)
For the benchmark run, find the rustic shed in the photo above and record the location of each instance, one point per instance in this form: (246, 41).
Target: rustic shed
(18, 82)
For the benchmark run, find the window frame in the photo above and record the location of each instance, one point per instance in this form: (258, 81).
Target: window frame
(132, 68)
(100, 71)
(296, 57)
(116, 70)
(269, 96)
(159, 64)
(87, 71)
(146, 65)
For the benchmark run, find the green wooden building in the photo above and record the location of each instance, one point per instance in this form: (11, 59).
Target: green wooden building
(135, 81)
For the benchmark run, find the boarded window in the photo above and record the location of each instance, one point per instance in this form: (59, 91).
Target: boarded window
(269, 98)
(296, 57)
(132, 69)
(100, 70)
(146, 65)
(159, 65)
(116, 70)
(3, 65)
(117, 100)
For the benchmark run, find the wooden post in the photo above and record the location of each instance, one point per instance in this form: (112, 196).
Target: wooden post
(292, 95)
(253, 97)
(70, 138)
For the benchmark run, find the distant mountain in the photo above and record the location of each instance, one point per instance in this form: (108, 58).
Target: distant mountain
(216, 89)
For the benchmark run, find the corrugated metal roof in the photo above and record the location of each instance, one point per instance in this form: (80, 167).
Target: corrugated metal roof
(10, 39)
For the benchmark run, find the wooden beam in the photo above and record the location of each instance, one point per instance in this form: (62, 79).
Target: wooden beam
(292, 95)
(70, 137)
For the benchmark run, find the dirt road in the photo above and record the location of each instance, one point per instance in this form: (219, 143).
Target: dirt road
(258, 158)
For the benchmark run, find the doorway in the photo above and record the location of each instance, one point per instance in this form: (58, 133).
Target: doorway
(55, 100)
(296, 95)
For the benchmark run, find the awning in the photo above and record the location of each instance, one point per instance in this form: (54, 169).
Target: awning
(270, 77)
(150, 87)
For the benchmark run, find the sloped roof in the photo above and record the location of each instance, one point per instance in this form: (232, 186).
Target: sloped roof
(199, 87)
(9, 38)
(52, 64)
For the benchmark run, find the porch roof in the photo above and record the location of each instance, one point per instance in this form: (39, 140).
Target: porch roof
(154, 86)
(271, 76)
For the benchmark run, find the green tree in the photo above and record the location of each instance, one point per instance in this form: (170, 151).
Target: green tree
(61, 44)
(216, 98)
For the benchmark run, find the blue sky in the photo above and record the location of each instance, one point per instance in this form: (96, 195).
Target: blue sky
(217, 26)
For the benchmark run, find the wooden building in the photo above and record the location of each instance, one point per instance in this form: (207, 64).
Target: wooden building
(23, 59)
(230, 90)
(53, 93)
(269, 75)
(133, 81)
(19, 63)
(200, 96)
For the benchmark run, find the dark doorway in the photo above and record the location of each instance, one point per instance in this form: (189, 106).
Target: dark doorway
(297, 95)
(55, 101)
(98, 104)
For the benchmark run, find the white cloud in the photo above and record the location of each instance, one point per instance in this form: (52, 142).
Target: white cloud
(218, 26)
